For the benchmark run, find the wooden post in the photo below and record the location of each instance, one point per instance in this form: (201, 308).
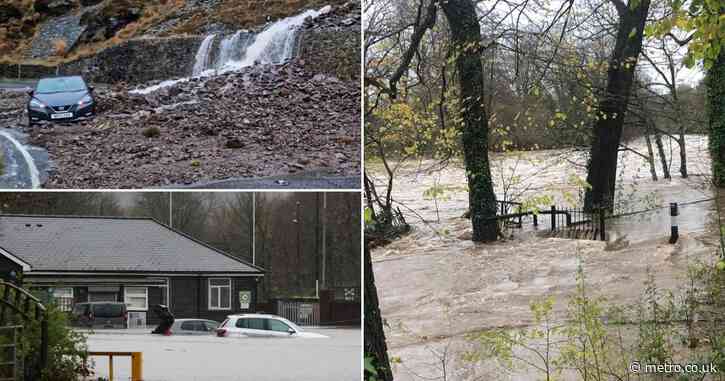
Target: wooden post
(553, 218)
(536, 220)
(602, 226)
(674, 229)
(110, 367)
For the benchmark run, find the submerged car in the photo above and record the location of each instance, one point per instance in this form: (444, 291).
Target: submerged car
(99, 315)
(194, 327)
(61, 99)
(261, 325)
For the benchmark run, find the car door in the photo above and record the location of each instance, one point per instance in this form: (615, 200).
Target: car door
(210, 326)
(251, 327)
(278, 328)
(189, 327)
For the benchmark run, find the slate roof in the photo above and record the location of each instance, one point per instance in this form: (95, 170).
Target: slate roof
(68, 243)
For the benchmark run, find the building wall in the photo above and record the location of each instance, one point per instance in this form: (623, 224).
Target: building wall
(190, 296)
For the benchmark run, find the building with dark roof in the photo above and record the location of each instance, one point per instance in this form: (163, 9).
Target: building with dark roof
(133, 260)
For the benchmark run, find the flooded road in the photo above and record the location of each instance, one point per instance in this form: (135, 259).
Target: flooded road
(25, 166)
(435, 285)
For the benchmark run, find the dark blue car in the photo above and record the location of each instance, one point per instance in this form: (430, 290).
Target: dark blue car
(61, 99)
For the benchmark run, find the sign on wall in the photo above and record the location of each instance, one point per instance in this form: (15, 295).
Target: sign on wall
(245, 298)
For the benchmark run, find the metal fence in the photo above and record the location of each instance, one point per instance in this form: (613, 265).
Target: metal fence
(302, 313)
(577, 224)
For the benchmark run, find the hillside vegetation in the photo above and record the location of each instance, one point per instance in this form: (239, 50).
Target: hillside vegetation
(109, 22)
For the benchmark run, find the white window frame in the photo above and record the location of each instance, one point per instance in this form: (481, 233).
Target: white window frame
(71, 297)
(209, 288)
(126, 295)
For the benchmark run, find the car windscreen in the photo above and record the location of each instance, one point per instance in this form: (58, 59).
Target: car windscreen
(80, 309)
(60, 85)
(108, 310)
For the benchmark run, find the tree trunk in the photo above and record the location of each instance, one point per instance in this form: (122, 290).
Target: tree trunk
(650, 155)
(716, 111)
(466, 38)
(602, 171)
(375, 345)
(663, 157)
(683, 153)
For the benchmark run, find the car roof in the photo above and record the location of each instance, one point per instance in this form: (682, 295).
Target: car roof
(62, 77)
(255, 315)
(192, 319)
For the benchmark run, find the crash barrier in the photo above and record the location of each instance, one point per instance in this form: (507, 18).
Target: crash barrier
(136, 363)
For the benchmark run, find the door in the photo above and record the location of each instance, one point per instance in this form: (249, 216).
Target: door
(252, 327)
(278, 328)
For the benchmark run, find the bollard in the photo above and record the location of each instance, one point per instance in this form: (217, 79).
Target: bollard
(674, 233)
(136, 366)
(553, 218)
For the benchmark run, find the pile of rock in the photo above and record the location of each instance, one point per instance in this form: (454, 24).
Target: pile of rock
(262, 121)
(344, 16)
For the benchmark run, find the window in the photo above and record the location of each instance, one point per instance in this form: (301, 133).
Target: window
(251, 324)
(277, 326)
(220, 294)
(210, 325)
(136, 298)
(63, 298)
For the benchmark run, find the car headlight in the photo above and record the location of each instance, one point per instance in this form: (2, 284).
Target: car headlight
(86, 100)
(34, 103)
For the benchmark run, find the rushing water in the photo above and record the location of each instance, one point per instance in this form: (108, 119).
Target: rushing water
(435, 285)
(21, 169)
(202, 55)
(275, 44)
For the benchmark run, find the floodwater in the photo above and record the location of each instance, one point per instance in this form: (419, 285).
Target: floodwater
(435, 285)
(211, 358)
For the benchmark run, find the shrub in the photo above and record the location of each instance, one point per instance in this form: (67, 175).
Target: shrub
(67, 350)
(151, 132)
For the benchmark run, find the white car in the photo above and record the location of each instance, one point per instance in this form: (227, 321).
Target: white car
(261, 325)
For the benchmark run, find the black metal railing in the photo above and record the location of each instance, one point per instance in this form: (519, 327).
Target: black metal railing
(567, 223)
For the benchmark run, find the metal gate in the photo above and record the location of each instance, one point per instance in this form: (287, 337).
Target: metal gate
(10, 368)
(301, 313)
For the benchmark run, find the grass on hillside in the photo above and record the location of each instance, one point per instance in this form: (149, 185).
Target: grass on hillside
(152, 15)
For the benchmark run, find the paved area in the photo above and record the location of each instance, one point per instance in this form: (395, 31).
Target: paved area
(281, 182)
(211, 358)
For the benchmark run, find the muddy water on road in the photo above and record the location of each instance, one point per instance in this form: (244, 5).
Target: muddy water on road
(25, 166)
(435, 285)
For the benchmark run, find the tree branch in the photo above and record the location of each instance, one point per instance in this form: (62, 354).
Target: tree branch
(427, 22)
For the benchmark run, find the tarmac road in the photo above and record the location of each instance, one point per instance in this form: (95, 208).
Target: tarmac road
(297, 181)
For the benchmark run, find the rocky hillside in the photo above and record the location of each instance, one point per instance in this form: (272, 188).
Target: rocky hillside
(53, 31)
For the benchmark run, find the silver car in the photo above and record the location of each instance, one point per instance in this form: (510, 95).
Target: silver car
(262, 325)
(194, 327)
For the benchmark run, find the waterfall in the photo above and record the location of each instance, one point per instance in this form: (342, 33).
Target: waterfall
(228, 49)
(202, 55)
(275, 44)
